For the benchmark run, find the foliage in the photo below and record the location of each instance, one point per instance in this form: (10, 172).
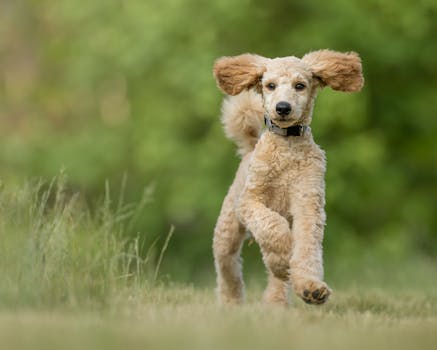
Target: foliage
(115, 87)
(56, 252)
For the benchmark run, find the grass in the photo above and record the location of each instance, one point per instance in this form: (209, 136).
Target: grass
(72, 280)
(55, 251)
(186, 318)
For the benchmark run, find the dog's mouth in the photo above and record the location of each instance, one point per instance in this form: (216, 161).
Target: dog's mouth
(285, 121)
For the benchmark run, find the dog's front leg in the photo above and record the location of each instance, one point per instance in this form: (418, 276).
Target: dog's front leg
(306, 263)
(270, 230)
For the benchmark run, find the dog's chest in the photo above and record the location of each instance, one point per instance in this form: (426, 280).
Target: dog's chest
(293, 166)
(296, 160)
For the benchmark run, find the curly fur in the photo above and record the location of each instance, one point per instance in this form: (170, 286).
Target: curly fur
(278, 194)
(234, 74)
(243, 120)
(340, 71)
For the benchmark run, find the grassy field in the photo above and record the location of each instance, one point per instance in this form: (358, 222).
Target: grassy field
(185, 318)
(72, 280)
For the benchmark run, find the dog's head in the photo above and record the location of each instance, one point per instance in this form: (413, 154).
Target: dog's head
(289, 84)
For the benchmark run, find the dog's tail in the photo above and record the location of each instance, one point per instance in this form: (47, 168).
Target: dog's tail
(243, 119)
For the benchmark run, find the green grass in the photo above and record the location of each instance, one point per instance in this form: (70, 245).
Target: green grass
(72, 280)
(56, 252)
(185, 318)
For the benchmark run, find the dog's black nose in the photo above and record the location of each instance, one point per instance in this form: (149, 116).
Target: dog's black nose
(283, 108)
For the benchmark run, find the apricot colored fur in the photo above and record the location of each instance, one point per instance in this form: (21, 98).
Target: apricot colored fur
(278, 194)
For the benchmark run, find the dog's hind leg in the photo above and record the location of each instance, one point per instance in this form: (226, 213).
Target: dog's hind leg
(229, 235)
(276, 291)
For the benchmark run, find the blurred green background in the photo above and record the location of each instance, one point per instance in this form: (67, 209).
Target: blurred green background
(115, 87)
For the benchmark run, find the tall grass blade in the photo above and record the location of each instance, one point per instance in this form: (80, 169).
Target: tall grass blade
(161, 254)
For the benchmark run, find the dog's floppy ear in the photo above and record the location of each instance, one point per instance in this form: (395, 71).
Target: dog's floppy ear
(234, 74)
(341, 71)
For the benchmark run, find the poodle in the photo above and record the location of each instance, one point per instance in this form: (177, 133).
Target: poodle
(278, 194)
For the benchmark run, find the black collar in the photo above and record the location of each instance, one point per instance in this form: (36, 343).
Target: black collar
(295, 130)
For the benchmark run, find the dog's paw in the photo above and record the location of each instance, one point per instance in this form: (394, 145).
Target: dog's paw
(314, 292)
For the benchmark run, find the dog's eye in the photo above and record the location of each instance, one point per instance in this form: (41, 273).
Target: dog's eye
(299, 86)
(271, 86)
